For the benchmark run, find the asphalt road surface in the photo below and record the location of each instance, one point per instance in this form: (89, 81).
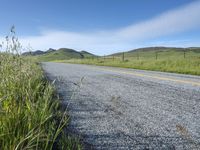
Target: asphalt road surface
(115, 108)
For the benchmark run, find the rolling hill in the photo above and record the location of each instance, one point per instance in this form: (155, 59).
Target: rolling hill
(60, 54)
(140, 53)
(150, 50)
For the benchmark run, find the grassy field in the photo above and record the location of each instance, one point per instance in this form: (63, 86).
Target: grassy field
(170, 60)
(30, 115)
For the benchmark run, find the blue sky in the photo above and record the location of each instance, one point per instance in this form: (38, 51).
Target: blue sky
(102, 26)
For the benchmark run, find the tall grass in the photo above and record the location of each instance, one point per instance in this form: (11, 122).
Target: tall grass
(30, 117)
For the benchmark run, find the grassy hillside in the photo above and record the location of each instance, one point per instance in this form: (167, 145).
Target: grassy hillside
(159, 52)
(176, 60)
(60, 54)
(87, 54)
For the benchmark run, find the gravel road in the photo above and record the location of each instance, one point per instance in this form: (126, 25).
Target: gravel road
(115, 108)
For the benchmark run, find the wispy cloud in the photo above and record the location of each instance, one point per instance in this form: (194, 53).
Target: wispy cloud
(169, 23)
(174, 21)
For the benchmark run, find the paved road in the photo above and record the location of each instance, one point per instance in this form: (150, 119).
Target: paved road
(113, 108)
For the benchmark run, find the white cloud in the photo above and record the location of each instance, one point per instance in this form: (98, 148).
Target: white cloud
(175, 21)
(178, 20)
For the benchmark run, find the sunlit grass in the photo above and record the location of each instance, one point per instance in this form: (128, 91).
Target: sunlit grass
(173, 62)
(30, 115)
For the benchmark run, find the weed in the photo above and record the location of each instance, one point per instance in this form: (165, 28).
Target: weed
(29, 114)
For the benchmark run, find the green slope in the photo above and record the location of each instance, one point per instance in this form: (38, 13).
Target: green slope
(160, 52)
(63, 54)
(87, 54)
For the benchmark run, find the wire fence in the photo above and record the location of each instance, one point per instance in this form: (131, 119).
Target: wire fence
(155, 55)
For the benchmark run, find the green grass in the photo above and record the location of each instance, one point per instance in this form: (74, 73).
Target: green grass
(167, 61)
(30, 114)
(30, 117)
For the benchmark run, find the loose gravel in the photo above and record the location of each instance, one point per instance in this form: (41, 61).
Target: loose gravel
(113, 110)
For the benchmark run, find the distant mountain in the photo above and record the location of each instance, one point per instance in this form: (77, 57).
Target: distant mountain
(159, 49)
(50, 50)
(60, 54)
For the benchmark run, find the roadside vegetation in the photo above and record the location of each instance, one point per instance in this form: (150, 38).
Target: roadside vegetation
(177, 61)
(30, 114)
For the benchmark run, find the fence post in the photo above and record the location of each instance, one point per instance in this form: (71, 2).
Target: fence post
(123, 56)
(184, 51)
(138, 57)
(113, 57)
(156, 55)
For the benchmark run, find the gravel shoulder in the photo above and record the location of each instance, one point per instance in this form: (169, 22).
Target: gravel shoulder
(115, 108)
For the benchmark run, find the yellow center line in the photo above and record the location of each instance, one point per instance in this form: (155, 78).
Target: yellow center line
(153, 77)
